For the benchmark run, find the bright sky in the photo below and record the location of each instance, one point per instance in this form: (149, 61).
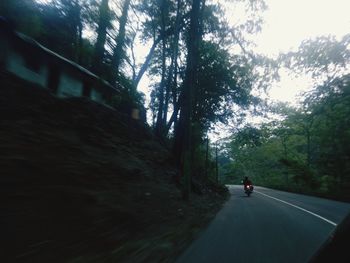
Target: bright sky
(288, 23)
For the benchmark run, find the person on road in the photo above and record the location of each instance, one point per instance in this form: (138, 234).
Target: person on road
(247, 182)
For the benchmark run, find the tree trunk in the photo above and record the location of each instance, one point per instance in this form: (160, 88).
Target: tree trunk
(159, 123)
(308, 128)
(173, 118)
(79, 42)
(73, 15)
(185, 122)
(101, 37)
(216, 163)
(172, 75)
(285, 153)
(206, 157)
(118, 52)
(133, 65)
(308, 161)
(146, 63)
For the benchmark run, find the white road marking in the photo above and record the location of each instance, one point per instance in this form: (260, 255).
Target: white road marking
(298, 207)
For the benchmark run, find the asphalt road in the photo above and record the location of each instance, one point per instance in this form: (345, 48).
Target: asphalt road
(270, 226)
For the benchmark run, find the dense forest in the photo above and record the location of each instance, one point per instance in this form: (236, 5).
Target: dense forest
(204, 71)
(305, 148)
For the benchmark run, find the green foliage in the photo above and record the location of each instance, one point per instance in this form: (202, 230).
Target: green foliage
(332, 118)
(24, 15)
(324, 57)
(129, 98)
(307, 151)
(223, 81)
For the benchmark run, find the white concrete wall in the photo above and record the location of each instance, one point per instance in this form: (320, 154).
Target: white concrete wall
(17, 65)
(69, 86)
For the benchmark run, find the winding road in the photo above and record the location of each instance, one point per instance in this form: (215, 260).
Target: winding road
(270, 226)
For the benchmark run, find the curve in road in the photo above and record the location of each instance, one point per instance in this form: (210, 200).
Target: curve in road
(270, 226)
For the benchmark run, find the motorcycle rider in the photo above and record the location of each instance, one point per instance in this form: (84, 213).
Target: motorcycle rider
(247, 182)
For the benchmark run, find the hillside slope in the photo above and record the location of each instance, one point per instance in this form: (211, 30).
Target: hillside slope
(81, 182)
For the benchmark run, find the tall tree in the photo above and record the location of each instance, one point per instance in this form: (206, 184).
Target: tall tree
(103, 24)
(72, 12)
(24, 15)
(118, 52)
(189, 86)
(159, 123)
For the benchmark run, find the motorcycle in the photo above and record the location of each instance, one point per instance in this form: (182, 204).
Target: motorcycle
(248, 189)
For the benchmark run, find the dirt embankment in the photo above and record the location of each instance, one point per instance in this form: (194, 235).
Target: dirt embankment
(81, 182)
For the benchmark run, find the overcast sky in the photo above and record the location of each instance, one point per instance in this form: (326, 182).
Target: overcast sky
(288, 23)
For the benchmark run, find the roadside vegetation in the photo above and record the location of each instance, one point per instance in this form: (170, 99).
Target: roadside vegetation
(306, 148)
